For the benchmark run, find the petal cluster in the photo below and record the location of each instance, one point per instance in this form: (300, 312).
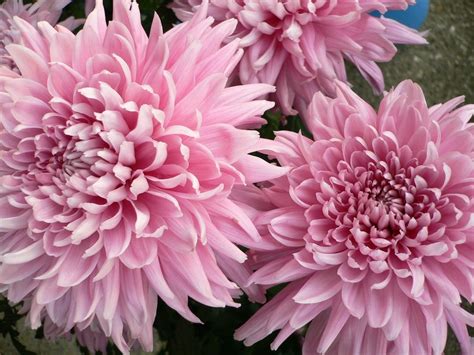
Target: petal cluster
(372, 227)
(301, 45)
(42, 10)
(118, 152)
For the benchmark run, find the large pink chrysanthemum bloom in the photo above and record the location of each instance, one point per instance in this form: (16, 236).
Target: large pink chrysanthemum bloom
(118, 152)
(372, 228)
(42, 10)
(300, 46)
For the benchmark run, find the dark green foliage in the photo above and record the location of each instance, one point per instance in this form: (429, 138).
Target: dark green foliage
(147, 8)
(216, 335)
(278, 122)
(8, 319)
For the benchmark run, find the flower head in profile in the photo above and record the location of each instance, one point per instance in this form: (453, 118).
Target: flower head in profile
(372, 228)
(42, 10)
(118, 154)
(301, 46)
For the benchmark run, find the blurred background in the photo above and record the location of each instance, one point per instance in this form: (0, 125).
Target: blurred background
(444, 69)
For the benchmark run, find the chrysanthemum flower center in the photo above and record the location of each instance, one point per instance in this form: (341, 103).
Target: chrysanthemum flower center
(55, 156)
(286, 19)
(386, 190)
(283, 18)
(380, 212)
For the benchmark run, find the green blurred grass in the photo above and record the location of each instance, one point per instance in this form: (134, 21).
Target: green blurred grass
(445, 67)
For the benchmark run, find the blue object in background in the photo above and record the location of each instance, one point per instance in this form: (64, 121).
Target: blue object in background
(413, 17)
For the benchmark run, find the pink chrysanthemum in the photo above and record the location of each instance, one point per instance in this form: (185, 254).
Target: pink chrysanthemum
(118, 154)
(372, 228)
(300, 46)
(42, 10)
